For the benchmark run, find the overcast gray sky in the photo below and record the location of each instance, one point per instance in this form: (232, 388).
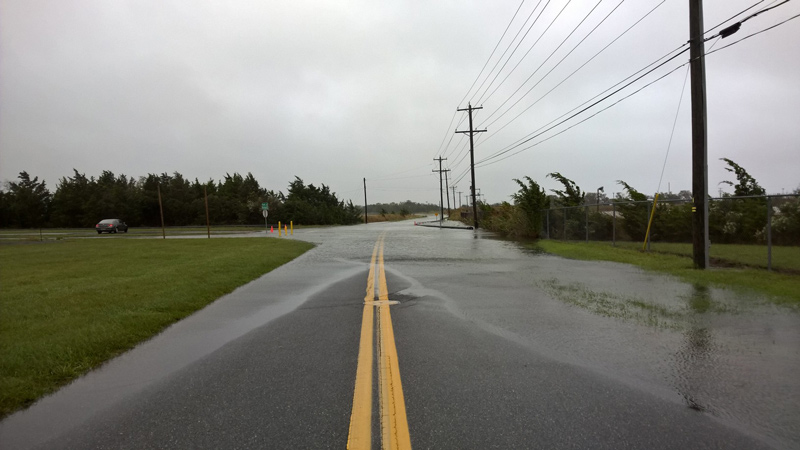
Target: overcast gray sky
(336, 91)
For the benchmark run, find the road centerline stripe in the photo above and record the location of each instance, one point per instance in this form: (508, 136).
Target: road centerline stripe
(360, 433)
(394, 424)
(392, 410)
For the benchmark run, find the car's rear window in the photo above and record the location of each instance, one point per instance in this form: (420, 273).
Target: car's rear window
(107, 221)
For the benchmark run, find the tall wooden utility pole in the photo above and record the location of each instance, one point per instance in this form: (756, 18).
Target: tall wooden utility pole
(208, 221)
(447, 192)
(441, 196)
(365, 200)
(161, 210)
(699, 136)
(471, 132)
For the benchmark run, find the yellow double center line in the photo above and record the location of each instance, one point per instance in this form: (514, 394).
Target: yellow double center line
(394, 425)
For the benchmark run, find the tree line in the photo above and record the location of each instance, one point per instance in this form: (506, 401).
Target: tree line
(403, 208)
(738, 218)
(81, 201)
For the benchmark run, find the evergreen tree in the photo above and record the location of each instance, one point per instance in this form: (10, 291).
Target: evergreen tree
(28, 201)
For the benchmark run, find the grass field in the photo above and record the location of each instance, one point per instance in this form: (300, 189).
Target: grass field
(68, 306)
(783, 257)
(63, 233)
(780, 287)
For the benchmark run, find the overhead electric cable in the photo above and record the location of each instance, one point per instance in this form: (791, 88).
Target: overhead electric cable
(576, 71)
(548, 58)
(512, 52)
(492, 54)
(672, 133)
(734, 16)
(486, 162)
(729, 30)
(534, 45)
(757, 32)
(527, 138)
(588, 107)
(439, 151)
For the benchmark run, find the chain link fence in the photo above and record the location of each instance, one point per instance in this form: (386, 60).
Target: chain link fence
(752, 231)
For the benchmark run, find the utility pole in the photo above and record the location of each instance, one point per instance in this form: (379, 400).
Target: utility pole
(441, 195)
(459, 199)
(454, 196)
(699, 136)
(447, 191)
(472, 132)
(365, 201)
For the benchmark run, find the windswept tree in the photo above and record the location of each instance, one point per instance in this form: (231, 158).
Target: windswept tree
(739, 220)
(569, 220)
(745, 185)
(634, 214)
(28, 201)
(531, 199)
(571, 195)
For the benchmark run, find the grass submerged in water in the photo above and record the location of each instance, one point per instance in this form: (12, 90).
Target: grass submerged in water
(782, 289)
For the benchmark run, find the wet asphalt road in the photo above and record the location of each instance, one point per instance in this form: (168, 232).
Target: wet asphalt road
(498, 348)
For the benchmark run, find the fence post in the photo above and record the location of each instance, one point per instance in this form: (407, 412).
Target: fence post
(769, 233)
(547, 233)
(586, 213)
(614, 225)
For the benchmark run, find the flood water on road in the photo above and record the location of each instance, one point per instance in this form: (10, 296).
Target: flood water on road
(734, 357)
(731, 355)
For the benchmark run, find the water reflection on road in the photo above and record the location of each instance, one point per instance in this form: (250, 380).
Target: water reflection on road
(733, 356)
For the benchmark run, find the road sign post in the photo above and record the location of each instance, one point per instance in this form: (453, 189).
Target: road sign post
(265, 213)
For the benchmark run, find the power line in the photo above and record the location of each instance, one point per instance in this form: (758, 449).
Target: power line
(672, 133)
(636, 23)
(757, 32)
(534, 45)
(734, 16)
(548, 58)
(492, 54)
(573, 73)
(486, 162)
(512, 52)
(528, 138)
(476, 80)
(727, 31)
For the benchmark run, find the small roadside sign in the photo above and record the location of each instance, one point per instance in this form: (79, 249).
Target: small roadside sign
(265, 213)
(265, 207)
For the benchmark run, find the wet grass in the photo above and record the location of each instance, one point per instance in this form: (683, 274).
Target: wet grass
(678, 316)
(611, 305)
(68, 306)
(780, 288)
(63, 233)
(783, 257)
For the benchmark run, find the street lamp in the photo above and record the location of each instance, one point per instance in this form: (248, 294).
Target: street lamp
(597, 197)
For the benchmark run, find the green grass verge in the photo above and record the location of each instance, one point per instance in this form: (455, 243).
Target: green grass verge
(68, 306)
(63, 233)
(780, 288)
(783, 257)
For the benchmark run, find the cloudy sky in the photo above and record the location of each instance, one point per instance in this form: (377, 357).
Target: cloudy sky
(337, 91)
